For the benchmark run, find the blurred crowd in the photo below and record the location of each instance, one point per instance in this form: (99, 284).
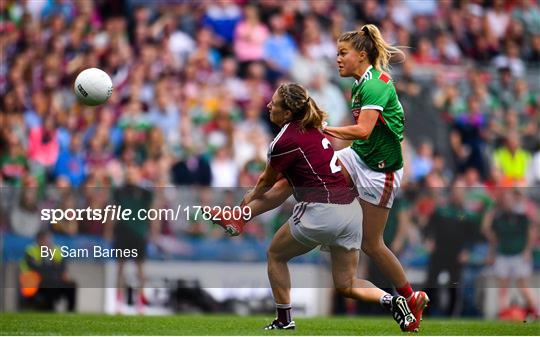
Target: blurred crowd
(192, 80)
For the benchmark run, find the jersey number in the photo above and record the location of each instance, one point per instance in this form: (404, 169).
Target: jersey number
(334, 167)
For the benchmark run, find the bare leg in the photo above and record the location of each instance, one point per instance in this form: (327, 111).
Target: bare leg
(523, 284)
(504, 300)
(141, 279)
(283, 248)
(120, 286)
(140, 273)
(344, 267)
(373, 245)
(120, 275)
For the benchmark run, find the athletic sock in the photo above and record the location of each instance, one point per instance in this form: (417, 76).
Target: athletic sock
(386, 301)
(283, 313)
(405, 291)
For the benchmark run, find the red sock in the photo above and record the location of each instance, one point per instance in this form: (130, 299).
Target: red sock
(405, 291)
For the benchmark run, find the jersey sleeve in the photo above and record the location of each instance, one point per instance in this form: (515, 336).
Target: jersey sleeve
(375, 94)
(282, 155)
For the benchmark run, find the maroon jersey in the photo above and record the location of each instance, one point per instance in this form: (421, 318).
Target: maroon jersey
(307, 159)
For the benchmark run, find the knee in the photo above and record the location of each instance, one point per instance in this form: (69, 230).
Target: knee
(372, 247)
(274, 256)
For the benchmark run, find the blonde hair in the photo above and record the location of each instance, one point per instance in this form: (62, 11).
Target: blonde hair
(370, 40)
(304, 109)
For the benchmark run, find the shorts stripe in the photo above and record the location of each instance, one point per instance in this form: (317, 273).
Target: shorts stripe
(299, 211)
(304, 206)
(387, 192)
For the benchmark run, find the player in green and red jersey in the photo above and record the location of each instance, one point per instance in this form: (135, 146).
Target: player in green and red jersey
(374, 160)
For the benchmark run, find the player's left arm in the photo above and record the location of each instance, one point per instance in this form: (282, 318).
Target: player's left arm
(361, 130)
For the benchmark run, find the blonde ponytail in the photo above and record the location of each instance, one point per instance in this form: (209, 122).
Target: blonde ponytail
(370, 40)
(314, 116)
(304, 109)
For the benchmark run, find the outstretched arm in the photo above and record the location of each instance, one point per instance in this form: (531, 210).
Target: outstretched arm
(265, 182)
(276, 196)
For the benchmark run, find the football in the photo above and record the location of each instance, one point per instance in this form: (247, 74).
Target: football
(93, 87)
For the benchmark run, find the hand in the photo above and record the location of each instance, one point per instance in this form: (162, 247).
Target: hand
(324, 125)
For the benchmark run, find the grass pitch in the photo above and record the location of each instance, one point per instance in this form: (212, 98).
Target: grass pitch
(83, 324)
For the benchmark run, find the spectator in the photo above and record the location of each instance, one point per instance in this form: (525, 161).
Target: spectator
(43, 144)
(306, 67)
(53, 281)
(511, 236)
(448, 238)
(534, 170)
(497, 19)
(467, 138)
(526, 103)
(166, 116)
(251, 134)
(332, 100)
(191, 169)
(250, 36)
(223, 17)
(13, 163)
(511, 59)
(24, 215)
(224, 170)
(425, 55)
(71, 163)
(279, 49)
(533, 54)
(512, 161)
(133, 234)
(422, 163)
(504, 86)
(528, 13)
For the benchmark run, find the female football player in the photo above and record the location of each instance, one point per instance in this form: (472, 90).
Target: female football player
(327, 212)
(374, 160)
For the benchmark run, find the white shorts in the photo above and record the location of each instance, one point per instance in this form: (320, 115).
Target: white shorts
(512, 266)
(377, 188)
(314, 224)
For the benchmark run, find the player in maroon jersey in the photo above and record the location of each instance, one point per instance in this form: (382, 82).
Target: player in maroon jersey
(326, 213)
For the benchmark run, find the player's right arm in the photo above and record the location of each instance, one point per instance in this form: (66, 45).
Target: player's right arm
(265, 182)
(374, 94)
(275, 197)
(361, 130)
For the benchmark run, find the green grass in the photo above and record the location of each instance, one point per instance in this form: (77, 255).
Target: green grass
(83, 324)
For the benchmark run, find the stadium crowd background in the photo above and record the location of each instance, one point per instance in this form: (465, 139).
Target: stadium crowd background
(191, 84)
